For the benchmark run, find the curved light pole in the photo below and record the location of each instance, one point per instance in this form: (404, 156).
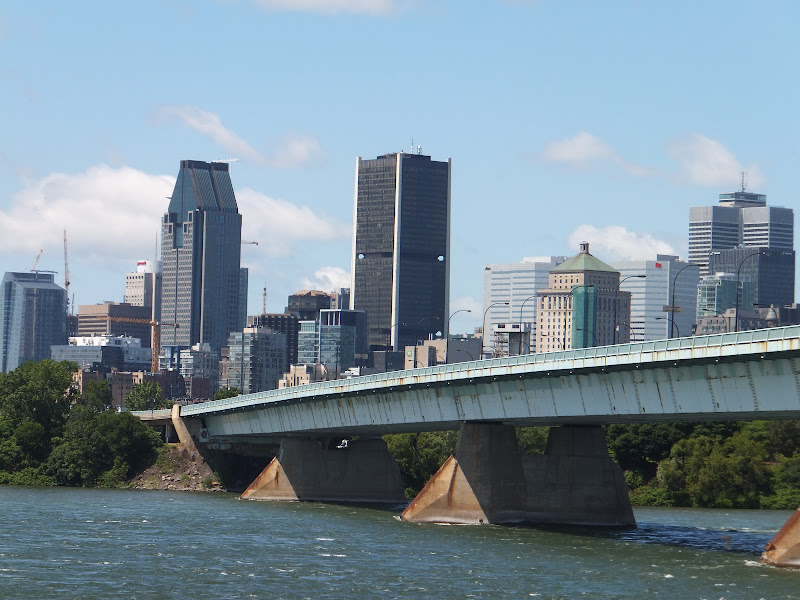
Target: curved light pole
(672, 321)
(520, 324)
(630, 331)
(453, 315)
(483, 331)
(594, 337)
(616, 296)
(672, 326)
(738, 277)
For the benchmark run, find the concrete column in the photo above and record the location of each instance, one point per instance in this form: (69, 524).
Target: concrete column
(305, 469)
(487, 481)
(784, 549)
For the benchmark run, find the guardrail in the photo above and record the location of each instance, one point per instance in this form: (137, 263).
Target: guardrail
(777, 339)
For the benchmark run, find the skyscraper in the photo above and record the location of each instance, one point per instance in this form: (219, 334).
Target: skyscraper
(33, 317)
(401, 248)
(201, 237)
(143, 288)
(741, 218)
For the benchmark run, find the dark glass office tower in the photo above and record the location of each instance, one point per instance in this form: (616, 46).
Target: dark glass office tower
(401, 248)
(201, 238)
(770, 270)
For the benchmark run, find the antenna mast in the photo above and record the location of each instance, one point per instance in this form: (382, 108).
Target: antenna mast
(744, 182)
(66, 273)
(264, 299)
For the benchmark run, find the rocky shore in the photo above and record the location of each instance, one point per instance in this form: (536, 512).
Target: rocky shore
(178, 469)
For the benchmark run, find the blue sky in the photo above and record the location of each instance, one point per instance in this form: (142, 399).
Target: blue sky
(565, 121)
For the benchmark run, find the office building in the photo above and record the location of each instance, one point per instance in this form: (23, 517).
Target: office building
(517, 284)
(741, 218)
(401, 248)
(717, 293)
(143, 287)
(583, 305)
(33, 317)
(104, 353)
(200, 251)
(337, 340)
(254, 360)
(199, 367)
(769, 270)
(306, 304)
(288, 325)
(115, 319)
(655, 285)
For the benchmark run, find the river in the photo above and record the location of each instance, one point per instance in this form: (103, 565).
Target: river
(74, 543)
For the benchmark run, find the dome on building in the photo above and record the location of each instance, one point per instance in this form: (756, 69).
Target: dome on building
(583, 261)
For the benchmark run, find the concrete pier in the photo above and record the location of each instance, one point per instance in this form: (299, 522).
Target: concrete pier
(306, 469)
(783, 550)
(487, 481)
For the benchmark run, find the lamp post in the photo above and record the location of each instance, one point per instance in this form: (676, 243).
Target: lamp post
(520, 322)
(594, 337)
(738, 277)
(616, 296)
(447, 342)
(671, 308)
(483, 331)
(673, 326)
(631, 332)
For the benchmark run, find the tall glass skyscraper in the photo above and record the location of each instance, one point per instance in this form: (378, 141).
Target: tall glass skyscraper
(33, 317)
(401, 248)
(201, 235)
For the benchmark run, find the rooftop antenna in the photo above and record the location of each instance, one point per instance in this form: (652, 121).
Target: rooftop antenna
(264, 301)
(227, 160)
(744, 182)
(412, 145)
(419, 149)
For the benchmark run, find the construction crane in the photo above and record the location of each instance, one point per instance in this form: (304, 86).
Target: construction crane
(247, 242)
(36, 262)
(66, 271)
(155, 334)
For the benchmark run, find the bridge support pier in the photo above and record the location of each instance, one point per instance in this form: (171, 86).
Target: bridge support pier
(487, 481)
(783, 550)
(306, 469)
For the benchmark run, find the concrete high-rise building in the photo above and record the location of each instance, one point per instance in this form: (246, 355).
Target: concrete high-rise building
(143, 287)
(666, 279)
(116, 319)
(201, 237)
(741, 218)
(33, 317)
(401, 248)
(583, 305)
(517, 284)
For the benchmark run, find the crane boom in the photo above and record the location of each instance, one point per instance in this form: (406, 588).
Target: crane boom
(155, 334)
(36, 262)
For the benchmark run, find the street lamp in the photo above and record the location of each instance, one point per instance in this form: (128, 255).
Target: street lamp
(671, 307)
(673, 326)
(631, 332)
(594, 337)
(738, 276)
(520, 323)
(453, 315)
(616, 295)
(483, 331)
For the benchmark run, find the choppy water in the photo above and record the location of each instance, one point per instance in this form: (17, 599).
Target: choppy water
(66, 543)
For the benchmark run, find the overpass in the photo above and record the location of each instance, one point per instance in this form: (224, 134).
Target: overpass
(733, 376)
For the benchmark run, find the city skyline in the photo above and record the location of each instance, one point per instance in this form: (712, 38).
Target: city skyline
(604, 124)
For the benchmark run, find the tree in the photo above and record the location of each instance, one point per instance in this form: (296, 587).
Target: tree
(147, 396)
(226, 393)
(96, 396)
(420, 455)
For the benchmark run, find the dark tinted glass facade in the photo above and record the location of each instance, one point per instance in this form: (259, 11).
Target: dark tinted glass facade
(770, 270)
(401, 248)
(200, 250)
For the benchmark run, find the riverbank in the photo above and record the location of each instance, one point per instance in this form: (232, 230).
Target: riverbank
(178, 469)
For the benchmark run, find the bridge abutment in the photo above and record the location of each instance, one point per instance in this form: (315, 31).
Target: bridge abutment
(306, 469)
(487, 481)
(783, 550)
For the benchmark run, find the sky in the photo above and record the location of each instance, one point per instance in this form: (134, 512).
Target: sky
(565, 121)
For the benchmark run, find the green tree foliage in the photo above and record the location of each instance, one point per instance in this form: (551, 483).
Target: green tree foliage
(230, 392)
(147, 395)
(532, 440)
(420, 455)
(96, 396)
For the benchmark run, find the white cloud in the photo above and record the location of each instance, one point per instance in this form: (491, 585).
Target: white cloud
(706, 162)
(277, 224)
(370, 7)
(584, 150)
(617, 243)
(291, 151)
(327, 279)
(108, 214)
(465, 322)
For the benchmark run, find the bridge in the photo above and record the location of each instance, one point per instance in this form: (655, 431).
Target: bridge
(733, 376)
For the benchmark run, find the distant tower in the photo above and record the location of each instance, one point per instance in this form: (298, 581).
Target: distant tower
(201, 237)
(401, 248)
(143, 287)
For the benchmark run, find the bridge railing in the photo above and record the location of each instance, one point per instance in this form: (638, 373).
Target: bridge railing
(713, 345)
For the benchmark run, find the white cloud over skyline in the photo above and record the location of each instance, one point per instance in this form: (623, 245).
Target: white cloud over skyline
(288, 152)
(327, 279)
(615, 242)
(702, 161)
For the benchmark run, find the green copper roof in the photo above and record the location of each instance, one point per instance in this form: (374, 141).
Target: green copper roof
(583, 261)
